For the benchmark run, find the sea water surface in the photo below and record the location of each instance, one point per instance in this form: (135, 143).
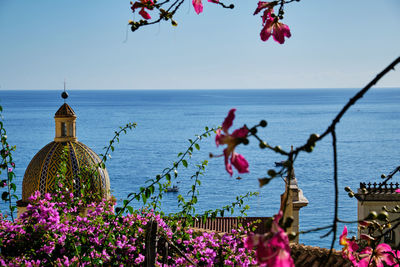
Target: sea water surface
(368, 141)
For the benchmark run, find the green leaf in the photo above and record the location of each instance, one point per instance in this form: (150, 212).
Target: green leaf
(147, 193)
(130, 209)
(184, 163)
(197, 146)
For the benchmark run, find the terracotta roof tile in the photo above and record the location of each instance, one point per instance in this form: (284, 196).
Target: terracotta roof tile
(308, 256)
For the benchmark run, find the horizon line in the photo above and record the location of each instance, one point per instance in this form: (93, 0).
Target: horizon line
(196, 89)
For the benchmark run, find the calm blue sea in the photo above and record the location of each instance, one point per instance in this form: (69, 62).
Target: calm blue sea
(368, 141)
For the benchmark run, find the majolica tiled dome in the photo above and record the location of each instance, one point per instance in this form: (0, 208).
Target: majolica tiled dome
(42, 170)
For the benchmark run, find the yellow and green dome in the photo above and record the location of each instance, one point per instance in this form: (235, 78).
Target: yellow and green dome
(42, 171)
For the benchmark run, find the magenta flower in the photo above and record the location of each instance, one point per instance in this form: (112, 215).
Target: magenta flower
(350, 247)
(383, 254)
(397, 191)
(232, 140)
(273, 247)
(271, 24)
(198, 5)
(143, 4)
(278, 30)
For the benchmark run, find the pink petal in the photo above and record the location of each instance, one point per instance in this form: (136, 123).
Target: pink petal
(250, 241)
(397, 191)
(240, 133)
(364, 262)
(198, 6)
(218, 137)
(384, 253)
(214, 1)
(281, 259)
(266, 31)
(267, 15)
(240, 163)
(280, 32)
(260, 6)
(228, 166)
(228, 120)
(278, 216)
(144, 14)
(343, 237)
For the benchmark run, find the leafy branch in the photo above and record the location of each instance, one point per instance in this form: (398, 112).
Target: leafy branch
(230, 208)
(8, 165)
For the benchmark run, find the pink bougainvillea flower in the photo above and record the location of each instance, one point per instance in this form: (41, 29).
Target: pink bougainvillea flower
(382, 254)
(232, 140)
(198, 5)
(143, 4)
(397, 191)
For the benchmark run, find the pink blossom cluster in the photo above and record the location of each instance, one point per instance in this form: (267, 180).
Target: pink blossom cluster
(382, 255)
(211, 249)
(52, 232)
(47, 233)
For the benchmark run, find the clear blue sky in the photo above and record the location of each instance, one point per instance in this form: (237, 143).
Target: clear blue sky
(334, 43)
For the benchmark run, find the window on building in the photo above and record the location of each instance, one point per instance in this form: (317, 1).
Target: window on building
(63, 129)
(71, 129)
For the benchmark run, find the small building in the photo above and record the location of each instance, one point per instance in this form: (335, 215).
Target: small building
(375, 196)
(41, 173)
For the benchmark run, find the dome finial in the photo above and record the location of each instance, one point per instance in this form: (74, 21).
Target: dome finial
(64, 94)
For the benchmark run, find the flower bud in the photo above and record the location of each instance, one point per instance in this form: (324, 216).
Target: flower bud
(372, 215)
(383, 176)
(263, 145)
(253, 130)
(272, 173)
(347, 189)
(309, 148)
(263, 123)
(313, 138)
(383, 216)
